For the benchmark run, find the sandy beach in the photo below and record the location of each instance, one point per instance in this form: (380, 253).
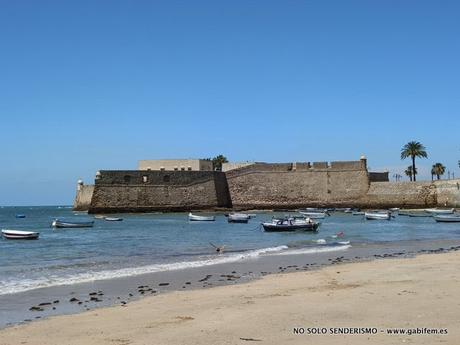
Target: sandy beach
(419, 295)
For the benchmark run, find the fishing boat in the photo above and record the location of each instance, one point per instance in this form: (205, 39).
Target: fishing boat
(414, 214)
(20, 216)
(440, 210)
(20, 235)
(113, 219)
(358, 213)
(290, 224)
(394, 209)
(193, 217)
(451, 218)
(378, 215)
(312, 209)
(57, 223)
(314, 215)
(238, 218)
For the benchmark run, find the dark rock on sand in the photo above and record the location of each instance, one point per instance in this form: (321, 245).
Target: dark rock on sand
(44, 304)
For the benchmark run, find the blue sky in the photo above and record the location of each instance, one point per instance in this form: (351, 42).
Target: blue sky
(89, 85)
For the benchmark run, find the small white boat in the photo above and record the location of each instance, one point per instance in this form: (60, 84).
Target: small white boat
(67, 224)
(440, 210)
(113, 219)
(314, 215)
(238, 218)
(447, 218)
(377, 215)
(193, 217)
(20, 235)
(358, 213)
(394, 209)
(98, 216)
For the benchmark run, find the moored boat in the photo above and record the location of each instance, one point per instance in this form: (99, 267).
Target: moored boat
(290, 224)
(451, 218)
(20, 216)
(358, 213)
(20, 235)
(196, 218)
(57, 223)
(314, 215)
(113, 219)
(238, 218)
(377, 215)
(440, 210)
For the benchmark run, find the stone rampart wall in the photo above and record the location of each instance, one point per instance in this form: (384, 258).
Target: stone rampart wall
(83, 197)
(147, 191)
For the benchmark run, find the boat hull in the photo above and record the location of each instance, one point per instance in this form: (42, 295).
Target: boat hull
(377, 216)
(195, 218)
(286, 228)
(313, 215)
(113, 219)
(440, 210)
(237, 220)
(20, 235)
(61, 224)
(447, 219)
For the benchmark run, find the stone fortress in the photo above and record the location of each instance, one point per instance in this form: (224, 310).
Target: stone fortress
(184, 185)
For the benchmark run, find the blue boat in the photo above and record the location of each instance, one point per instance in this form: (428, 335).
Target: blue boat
(20, 216)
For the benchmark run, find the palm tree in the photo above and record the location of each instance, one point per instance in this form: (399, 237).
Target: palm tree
(218, 161)
(413, 149)
(409, 173)
(438, 169)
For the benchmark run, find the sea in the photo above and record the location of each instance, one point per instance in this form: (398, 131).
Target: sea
(148, 243)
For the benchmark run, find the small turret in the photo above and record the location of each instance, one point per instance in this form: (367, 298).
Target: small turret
(98, 175)
(79, 184)
(363, 160)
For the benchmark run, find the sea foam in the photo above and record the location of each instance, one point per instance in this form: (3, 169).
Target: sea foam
(16, 286)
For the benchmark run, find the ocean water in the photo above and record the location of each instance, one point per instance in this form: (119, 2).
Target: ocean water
(146, 243)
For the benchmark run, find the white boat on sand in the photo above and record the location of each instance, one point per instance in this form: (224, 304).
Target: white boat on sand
(20, 235)
(196, 218)
(377, 215)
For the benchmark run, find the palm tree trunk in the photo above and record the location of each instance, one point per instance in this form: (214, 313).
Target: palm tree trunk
(413, 167)
(438, 176)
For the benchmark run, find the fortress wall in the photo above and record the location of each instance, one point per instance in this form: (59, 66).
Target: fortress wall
(147, 191)
(83, 197)
(275, 186)
(448, 192)
(401, 194)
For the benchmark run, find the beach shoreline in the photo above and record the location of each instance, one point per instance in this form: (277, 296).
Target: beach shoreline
(271, 284)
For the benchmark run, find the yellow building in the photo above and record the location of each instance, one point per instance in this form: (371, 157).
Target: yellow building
(175, 165)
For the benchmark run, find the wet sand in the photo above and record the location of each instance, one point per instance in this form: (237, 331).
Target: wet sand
(398, 293)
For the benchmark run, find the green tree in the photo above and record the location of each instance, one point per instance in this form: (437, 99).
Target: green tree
(218, 161)
(438, 169)
(413, 149)
(409, 173)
